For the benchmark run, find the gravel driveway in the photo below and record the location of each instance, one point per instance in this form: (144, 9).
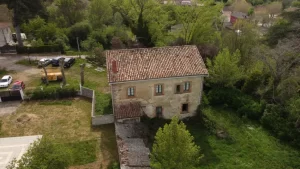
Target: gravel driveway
(7, 108)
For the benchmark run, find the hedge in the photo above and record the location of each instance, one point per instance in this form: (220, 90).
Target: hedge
(53, 93)
(40, 49)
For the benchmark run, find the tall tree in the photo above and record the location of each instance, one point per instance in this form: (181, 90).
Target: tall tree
(174, 148)
(197, 21)
(100, 12)
(225, 69)
(23, 10)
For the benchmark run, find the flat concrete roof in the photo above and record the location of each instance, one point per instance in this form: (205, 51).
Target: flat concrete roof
(14, 147)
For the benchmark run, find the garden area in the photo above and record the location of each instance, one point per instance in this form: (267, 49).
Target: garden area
(96, 80)
(66, 123)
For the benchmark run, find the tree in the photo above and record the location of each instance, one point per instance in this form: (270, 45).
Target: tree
(43, 154)
(195, 19)
(61, 64)
(174, 148)
(243, 41)
(23, 10)
(224, 70)
(100, 12)
(67, 12)
(283, 64)
(146, 18)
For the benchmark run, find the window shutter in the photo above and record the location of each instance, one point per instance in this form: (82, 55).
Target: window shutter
(128, 92)
(132, 91)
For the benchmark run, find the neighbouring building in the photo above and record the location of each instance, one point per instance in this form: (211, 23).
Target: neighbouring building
(5, 34)
(161, 82)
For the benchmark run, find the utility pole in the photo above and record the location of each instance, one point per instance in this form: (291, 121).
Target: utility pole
(78, 48)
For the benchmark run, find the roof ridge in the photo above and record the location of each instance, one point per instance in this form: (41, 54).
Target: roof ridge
(163, 47)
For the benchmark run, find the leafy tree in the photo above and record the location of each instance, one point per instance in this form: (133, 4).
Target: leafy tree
(146, 18)
(100, 12)
(23, 10)
(80, 30)
(282, 62)
(278, 31)
(174, 148)
(67, 12)
(43, 154)
(224, 70)
(243, 41)
(197, 22)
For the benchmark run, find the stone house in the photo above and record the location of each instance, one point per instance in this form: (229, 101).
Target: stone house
(161, 82)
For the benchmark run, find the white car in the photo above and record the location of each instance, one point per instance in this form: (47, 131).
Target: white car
(5, 81)
(44, 62)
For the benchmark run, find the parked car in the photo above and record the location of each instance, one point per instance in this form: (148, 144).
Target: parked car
(44, 62)
(55, 61)
(18, 85)
(69, 62)
(5, 81)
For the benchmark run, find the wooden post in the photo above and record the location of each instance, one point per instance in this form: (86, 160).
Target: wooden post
(46, 75)
(61, 64)
(82, 73)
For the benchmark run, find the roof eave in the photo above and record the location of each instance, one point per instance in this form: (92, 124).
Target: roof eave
(200, 75)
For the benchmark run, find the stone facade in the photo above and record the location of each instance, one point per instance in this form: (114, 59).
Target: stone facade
(170, 101)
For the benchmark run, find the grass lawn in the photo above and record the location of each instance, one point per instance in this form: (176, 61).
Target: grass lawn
(67, 123)
(249, 146)
(93, 80)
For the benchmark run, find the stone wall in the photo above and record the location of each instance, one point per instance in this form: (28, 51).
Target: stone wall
(96, 119)
(170, 101)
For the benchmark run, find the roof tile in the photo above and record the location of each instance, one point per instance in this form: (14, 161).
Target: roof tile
(153, 63)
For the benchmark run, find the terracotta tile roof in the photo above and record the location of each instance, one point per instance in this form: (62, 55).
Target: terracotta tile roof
(127, 110)
(153, 63)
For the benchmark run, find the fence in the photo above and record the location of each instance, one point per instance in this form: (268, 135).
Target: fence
(11, 95)
(96, 119)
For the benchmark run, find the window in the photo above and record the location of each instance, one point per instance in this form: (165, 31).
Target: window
(159, 89)
(178, 88)
(130, 91)
(158, 111)
(185, 108)
(186, 87)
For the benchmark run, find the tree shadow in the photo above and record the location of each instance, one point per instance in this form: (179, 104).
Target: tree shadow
(108, 144)
(201, 133)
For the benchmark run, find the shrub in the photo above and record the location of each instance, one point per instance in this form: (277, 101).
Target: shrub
(54, 93)
(40, 49)
(235, 99)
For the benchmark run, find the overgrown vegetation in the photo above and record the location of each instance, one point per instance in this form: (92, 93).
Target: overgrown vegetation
(227, 141)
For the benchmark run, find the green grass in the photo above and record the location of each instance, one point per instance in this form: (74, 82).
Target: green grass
(249, 145)
(83, 152)
(57, 102)
(26, 62)
(103, 104)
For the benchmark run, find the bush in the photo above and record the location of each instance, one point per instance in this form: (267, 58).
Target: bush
(235, 99)
(54, 93)
(40, 49)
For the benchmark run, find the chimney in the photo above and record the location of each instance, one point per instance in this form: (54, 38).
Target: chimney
(114, 66)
